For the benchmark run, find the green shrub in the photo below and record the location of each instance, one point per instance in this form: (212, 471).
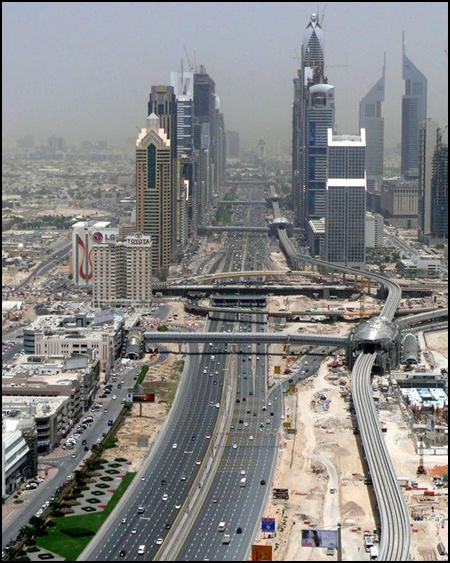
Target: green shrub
(78, 532)
(121, 460)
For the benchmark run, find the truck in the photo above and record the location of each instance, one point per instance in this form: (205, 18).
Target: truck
(222, 527)
(403, 482)
(368, 542)
(374, 553)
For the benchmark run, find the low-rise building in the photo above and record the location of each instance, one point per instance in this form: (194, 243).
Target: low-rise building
(52, 416)
(400, 202)
(69, 335)
(374, 231)
(316, 236)
(15, 454)
(420, 267)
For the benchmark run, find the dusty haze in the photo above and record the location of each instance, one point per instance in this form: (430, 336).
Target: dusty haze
(84, 70)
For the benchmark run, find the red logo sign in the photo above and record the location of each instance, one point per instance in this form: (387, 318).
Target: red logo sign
(98, 237)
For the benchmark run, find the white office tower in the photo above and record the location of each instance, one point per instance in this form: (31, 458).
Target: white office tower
(346, 200)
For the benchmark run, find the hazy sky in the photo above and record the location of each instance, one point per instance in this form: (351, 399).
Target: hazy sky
(84, 69)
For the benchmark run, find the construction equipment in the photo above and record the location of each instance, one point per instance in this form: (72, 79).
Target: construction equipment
(421, 469)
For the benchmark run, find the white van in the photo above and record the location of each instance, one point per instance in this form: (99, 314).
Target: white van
(222, 527)
(374, 553)
(141, 550)
(226, 539)
(243, 482)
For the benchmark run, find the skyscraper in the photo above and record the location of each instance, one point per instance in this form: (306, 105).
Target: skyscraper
(346, 200)
(204, 140)
(320, 116)
(439, 228)
(183, 84)
(415, 111)
(429, 131)
(372, 120)
(154, 188)
(233, 144)
(311, 73)
(163, 103)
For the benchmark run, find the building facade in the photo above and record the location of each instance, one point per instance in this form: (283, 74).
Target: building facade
(415, 111)
(374, 231)
(439, 228)
(123, 273)
(372, 120)
(320, 117)
(154, 192)
(346, 200)
(400, 202)
(429, 134)
(310, 74)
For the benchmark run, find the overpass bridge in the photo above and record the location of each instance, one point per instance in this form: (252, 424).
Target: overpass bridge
(244, 338)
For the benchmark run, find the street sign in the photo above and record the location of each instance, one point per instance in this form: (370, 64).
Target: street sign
(268, 525)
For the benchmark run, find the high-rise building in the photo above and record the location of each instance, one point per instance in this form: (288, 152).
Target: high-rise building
(439, 227)
(429, 133)
(415, 112)
(154, 192)
(372, 120)
(56, 144)
(205, 105)
(123, 272)
(233, 144)
(311, 73)
(374, 230)
(262, 150)
(84, 234)
(346, 200)
(183, 84)
(320, 117)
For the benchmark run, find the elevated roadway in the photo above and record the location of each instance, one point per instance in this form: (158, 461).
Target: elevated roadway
(244, 338)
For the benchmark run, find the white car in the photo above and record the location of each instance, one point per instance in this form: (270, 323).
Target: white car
(235, 446)
(114, 397)
(251, 438)
(159, 541)
(165, 498)
(178, 507)
(175, 447)
(243, 473)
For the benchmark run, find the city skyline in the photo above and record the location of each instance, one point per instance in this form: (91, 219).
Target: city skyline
(70, 94)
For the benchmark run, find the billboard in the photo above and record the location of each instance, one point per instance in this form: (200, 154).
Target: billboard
(262, 553)
(144, 398)
(138, 239)
(268, 525)
(320, 539)
(281, 494)
(103, 316)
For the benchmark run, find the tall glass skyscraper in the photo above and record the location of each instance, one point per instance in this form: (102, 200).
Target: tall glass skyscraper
(372, 120)
(310, 74)
(415, 111)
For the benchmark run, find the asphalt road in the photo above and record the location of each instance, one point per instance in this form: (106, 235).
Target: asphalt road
(176, 467)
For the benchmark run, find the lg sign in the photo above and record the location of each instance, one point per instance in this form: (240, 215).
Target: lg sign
(104, 237)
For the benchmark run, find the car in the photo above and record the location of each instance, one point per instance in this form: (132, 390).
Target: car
(239, 531)
(183, 478)
(193, 439)
(175, 447)
(178, 507)
(198, 462)
(99, 440)
(159, 541)
(215, 500)
(268, 421)
(141, 550)
(74, 456)
(124, 521)
(165, 497)
(235, 446)
(263, 483)
(243, 473)
(208, 436)
(134, 531)
(218, 406)
(251, 438)
(168, 526)
(114, 397)
(106, 410)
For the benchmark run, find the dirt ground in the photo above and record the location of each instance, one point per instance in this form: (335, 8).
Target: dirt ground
(438, 342)
(324, 455)
(142, 427)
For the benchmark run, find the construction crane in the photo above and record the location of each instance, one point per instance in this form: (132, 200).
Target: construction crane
(421, 469)
(192, 66)
(362, 297)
